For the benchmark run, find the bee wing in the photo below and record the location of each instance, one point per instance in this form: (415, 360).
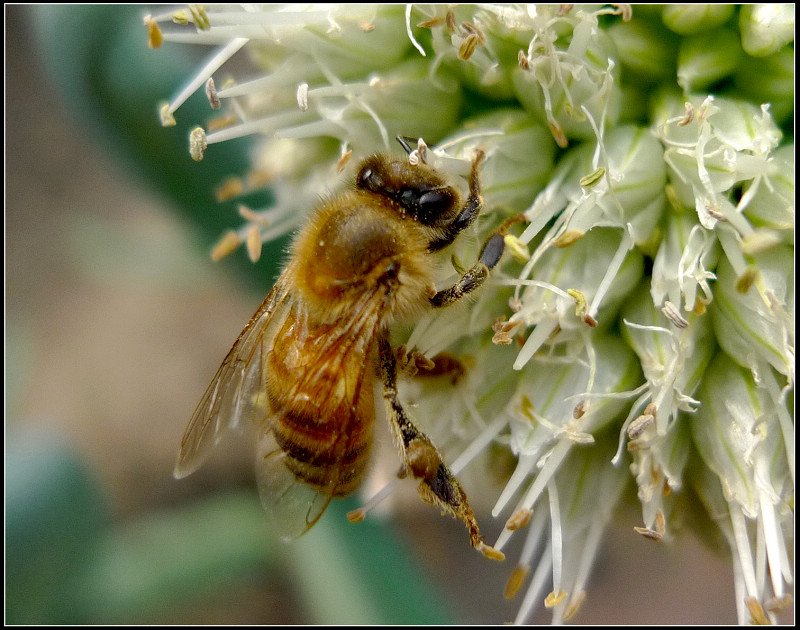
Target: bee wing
(345, 350)
(292, 506)
(237, 390)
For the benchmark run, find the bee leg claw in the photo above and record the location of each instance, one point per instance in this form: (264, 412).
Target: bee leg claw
(445, 492)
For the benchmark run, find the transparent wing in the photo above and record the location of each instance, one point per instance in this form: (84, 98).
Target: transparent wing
(236, 392)
(329, 367)
(292, 506)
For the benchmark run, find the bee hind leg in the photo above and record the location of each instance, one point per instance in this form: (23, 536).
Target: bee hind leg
(438, 486)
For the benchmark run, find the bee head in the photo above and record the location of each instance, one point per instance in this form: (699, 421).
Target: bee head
(418, 190)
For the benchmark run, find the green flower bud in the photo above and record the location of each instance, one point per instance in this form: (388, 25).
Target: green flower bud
(552, 386)
(561, 400)
(646, 48)
(674, 353)
(519, 156)
(713, 146)
(346, 40)
(404, 90)
(769, 80)
(766, 28)
(772, 206)
(596, 271)
(705, 59)
(572, 82)
(684, 264)
(629, 188)
(690, 19)
(482, 47)
(741, 433)
(754, 313)
(738, 436)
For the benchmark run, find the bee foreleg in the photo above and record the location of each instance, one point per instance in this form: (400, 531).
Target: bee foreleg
(470, 211)
(490, 255)
(422, 460)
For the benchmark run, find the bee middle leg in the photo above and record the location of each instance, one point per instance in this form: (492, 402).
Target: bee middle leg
(438, 486)
(490, 255)
(443, 364)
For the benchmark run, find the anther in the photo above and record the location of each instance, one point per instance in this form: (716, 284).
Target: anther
(155, 38)
(211, 94)
(254, 243)
(198, 143)
(672, 313)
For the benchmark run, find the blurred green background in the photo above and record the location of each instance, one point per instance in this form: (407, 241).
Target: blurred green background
(115, 321)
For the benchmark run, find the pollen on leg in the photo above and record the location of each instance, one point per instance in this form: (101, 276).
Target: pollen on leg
(422, 459)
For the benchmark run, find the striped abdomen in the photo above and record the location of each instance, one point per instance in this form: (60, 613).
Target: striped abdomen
(319, 386)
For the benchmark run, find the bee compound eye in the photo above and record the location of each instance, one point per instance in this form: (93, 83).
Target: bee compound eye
(368, 179)
(408, 198)
(433, 204)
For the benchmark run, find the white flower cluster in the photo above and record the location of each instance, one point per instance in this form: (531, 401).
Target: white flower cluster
(652, 303)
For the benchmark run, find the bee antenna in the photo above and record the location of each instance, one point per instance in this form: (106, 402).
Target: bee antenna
(404, 140)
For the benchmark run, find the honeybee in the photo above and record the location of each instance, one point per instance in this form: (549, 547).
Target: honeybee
(302, 370)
